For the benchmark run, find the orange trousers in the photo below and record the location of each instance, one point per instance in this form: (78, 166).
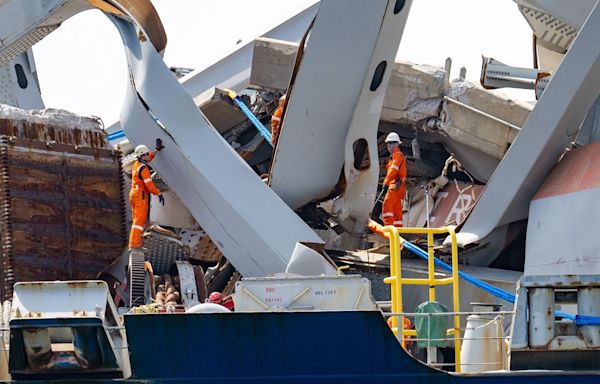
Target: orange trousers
(392, 207)
(139, 214)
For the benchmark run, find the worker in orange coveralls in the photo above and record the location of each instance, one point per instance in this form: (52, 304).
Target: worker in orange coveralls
(395, 181)
(276, 119)
(141, 188)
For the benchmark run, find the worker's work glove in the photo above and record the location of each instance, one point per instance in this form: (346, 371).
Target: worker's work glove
(161, 199)
(159, 144)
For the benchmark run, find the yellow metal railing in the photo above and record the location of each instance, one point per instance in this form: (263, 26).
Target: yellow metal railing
(396, 281)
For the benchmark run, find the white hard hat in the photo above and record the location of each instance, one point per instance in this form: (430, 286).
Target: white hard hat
(141, 150)
(393, 137)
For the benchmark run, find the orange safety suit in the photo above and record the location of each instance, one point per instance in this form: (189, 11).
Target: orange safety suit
(139, 198)
(395, 181)
(276, 120)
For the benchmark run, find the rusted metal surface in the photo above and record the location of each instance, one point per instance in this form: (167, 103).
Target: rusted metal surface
(62, 212)
(230, 286)
(23, 129)
(7, 272)
(200, 283)
(146, 16)
(206, 251)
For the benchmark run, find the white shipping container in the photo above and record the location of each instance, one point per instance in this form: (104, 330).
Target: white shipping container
(299, 293)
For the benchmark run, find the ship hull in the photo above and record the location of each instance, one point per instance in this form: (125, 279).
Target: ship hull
(305, 347)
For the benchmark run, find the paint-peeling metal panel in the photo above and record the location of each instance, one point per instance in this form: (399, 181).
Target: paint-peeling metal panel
(454, 203)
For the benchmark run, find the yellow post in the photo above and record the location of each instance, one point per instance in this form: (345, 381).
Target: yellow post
(393, 277)
(455, 299)
(396, 281)
(430, 266)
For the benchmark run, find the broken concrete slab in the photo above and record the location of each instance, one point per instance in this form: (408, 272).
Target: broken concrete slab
(414, 93)
(272, 63)
(476, 124)
(467, 113)
(216, 105)
(481, 119)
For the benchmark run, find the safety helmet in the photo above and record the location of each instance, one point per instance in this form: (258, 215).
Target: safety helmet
(393, 137)
(215, 297)
(141, 150)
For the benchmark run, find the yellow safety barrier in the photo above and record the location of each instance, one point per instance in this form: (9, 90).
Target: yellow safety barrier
(396, 281)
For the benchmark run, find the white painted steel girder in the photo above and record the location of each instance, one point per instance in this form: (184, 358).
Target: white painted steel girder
(551, 126)
(331, 105)
(232, 70)
(19, 84)
(361, 184)
(249, 223)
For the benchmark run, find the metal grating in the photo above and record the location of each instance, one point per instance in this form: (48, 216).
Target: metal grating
(162, 251)
(24, 43)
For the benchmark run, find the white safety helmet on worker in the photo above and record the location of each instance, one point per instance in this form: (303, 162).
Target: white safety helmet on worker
(393, 137)
(141, 150)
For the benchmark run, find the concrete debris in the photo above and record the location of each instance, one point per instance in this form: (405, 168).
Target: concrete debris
(218, 109)
(486, 121)
(475, 124)
(414, 93)
(272, 63)
(50, 117)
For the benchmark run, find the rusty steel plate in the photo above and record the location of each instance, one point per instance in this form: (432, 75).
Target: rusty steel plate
(23, 129)
(62, 211)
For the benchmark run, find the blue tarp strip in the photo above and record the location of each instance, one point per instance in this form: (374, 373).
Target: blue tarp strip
(495, 291)
(264, 132)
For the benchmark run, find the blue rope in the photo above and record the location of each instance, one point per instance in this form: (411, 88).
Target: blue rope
(116, 135)
(495, 291)
(264, 132)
